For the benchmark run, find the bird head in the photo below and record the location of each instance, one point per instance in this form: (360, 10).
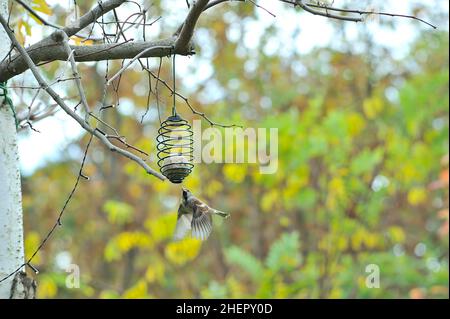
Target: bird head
(186, 193)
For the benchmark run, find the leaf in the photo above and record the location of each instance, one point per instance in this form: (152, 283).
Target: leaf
(118, 212)
(249, 263)
(47, 287)
(284, 253)
(235, 172)
(139, 290)
(366, 161)
(41, 6)
(181, 252)
(417, 196)
(372, 107)
(32, 241)
(161, 228)
(355, 123)
(397, 234)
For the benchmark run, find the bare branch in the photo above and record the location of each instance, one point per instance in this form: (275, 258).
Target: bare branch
(36, 15)
(99, 52)
(186, 100)
(48, 49)
(75, 73)
(68, 110)
(216, 2)
(90, 17)
(137, 56)
(187, 29)
(367, 13)
(262, 8)
(322, 10)
(47, 45)
(325, 13)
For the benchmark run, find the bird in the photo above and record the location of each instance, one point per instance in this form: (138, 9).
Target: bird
(194, 215)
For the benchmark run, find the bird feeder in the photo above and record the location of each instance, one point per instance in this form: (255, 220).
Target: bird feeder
(175, 148)
(175, 144)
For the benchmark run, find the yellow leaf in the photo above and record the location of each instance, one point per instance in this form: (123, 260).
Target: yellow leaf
(372, 107)
(181, 252)
(213, 188)
(341, 243)
(358, 239)
(154, 273)
(371, 240)
(268, 200)
(417, 196)
(41, 6)
(20, 36)
(397, 234)
(137, 291)
(234, 172)
(335, 293)
(32, 241)
(236, 288)
(337, 187)
(27, 27)
(161, 228)
(128, 240)
(356, 124)
(46, 288)
(160, 186)
(285, 221)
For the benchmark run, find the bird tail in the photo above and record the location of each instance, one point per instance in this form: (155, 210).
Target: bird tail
(221, 214)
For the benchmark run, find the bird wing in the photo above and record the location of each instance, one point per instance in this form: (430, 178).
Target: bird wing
(183, 225)
(201, 221)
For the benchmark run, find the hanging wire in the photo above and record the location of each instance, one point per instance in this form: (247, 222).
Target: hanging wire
(8, 100)
(175, 142)
(174, 108)
(57, 221)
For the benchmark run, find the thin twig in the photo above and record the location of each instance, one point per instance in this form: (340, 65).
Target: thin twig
(362, 12)
(69, 111)
(132, 61)
(186, 100)
(36, 15)
(58, 220)
(76, 75)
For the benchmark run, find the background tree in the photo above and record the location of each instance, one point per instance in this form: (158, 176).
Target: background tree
(359, 185)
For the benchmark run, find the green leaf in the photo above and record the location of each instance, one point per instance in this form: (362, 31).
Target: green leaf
(246, 261)
(118, 212)
(285, 253)
(366, 161)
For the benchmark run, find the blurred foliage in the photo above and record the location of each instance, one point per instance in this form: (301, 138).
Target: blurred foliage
(362, 177)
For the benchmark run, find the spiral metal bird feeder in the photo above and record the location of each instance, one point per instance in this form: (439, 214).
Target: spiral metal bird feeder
(175, 144)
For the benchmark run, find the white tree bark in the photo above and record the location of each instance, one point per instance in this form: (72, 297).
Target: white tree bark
(11, 225)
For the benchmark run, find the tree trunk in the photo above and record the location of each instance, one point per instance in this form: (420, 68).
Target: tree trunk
(11, 225)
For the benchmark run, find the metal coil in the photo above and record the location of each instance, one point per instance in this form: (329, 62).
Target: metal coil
(175, 148)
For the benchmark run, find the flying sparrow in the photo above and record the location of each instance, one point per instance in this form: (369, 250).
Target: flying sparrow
(195, 215)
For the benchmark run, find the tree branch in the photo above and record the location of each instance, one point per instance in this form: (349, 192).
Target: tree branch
(75, 74)
(8, 70)
(67, 109)
(48, 49)
(325, 13)
(90, 17)
(137, 56)
(99, 52)
(36, 15)
(186, 30)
